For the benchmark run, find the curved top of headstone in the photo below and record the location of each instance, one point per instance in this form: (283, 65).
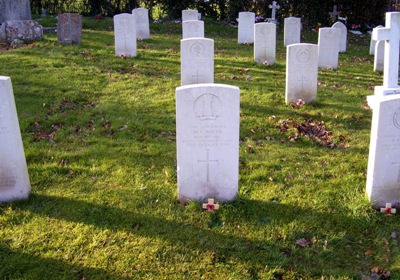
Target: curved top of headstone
(15, 10)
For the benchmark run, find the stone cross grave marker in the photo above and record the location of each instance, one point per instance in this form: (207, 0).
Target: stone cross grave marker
(125, 35)
(328, 47)
(197, 61)
(391, 35)
(15, 10)
(142, 23)
(246, 27)
(207, 126)
(373, 43)
(383, 176)
(14, 179)
(343, 35)
(379, 57)
(292, 27)
(69, 28)
(265, 43)
(190, 15)
(192, 29)
(301, 73)
(274, 7)
(334, 14)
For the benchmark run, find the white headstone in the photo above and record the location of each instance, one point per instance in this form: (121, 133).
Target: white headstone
(246, 27)
(391, 35)
(292, 27)
(274, 7)
(265, 43)
(373, 43)
(328, 47)
(383, 177)
(343, 35)
(125, 35)
(197, 61)
(193, 29)
(207, 126)
(190, 15)
(14, 179)
(379, 55)
(301, 73)
(142, 23)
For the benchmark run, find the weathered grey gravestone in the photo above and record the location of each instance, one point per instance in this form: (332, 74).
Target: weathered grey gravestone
(15, 10)
(197, 61)
(69, 28)
(328, 47)
(142, 23)
(125, 35)
(14, 179)
(292, 29)
(207, 126)
(192, 29)
(246, 27)
(301, 73)
(20, 31)
(383, 177)
(265, 43)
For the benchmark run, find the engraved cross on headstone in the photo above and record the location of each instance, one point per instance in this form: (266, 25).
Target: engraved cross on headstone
(302, 79)
(334, 14)
(274, 7)
(197, 76)
(208, 161)
(391, 35)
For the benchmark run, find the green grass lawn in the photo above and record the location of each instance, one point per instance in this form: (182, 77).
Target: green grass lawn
(99, 138)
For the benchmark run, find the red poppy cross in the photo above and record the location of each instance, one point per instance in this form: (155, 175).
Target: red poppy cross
(388, 209)
(210, 205)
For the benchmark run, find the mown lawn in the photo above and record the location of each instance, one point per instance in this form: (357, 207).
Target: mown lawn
(99, 138)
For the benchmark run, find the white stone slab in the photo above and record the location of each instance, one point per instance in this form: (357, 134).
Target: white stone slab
(343, 35)
(292, 28)
(265, 43)
(207, 126)
(246, 27)
(142, 23)
(383, 178)
(192, 29)
(379, 55)
(301, 73)
(125, 35)
(328, 47)
(197, 61)
(373, 43)
(190, 15)
(14, 179)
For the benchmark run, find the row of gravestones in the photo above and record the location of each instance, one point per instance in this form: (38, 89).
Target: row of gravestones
(207, 119)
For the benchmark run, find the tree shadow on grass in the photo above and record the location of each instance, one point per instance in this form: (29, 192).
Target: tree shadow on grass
(224, 245)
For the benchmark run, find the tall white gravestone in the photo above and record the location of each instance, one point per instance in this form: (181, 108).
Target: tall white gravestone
(246, 27)
(328, 47)
(265, 43)
(379, 57)
(190, 15)
(373, 42)
(14, 179)
(301, 73)
(197, 61)
(207, 126)
(192, 29)
(142, 23)
(343, 35)
(383, 178)
(292, 29)
(125, 35)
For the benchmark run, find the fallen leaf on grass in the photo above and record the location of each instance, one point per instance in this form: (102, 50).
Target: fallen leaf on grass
(302, 242)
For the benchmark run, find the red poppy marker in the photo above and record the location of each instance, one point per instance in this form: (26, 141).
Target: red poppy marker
(210, 205)
(388, 209)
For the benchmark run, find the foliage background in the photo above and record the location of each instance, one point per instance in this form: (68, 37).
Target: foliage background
(360, 12)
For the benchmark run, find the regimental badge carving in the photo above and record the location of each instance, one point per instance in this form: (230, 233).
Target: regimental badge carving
(193, 27)
(124, 21)
(265, 30)
(303, 55)
(330, 35)
(396, 118)
(207, 107)
(197, 49)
